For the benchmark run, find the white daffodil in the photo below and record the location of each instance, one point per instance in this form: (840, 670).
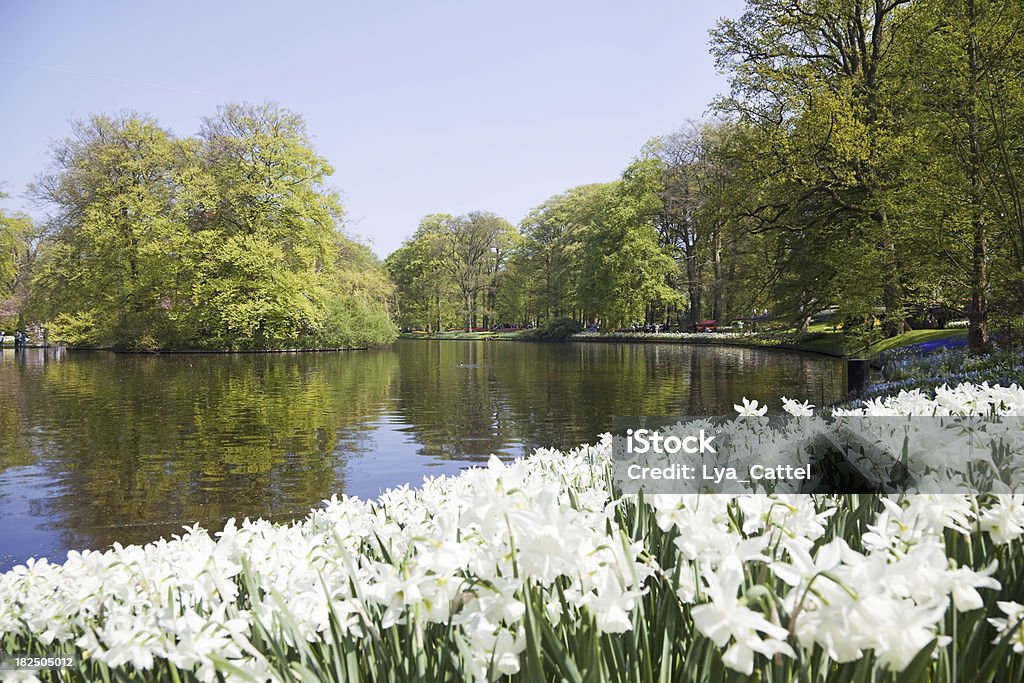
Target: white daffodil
(904, 629)
(1004, 521)
(750, 408)
(727, 618)
(1014, 616)
(797, 409)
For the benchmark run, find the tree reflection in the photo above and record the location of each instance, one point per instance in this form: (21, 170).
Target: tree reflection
(134, 445)
(466, 400)
(107, 447)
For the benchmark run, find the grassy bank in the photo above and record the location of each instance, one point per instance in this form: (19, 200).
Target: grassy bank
(915, 337)
(936, 361)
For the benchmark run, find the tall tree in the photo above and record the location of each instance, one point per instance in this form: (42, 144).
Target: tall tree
(272, 227)
(425, 290)
(679, 158)
(112, 252)
(471, 249)
(827, 78)
(966, 63)
(553, 235)
(624, 268)
(16, 235)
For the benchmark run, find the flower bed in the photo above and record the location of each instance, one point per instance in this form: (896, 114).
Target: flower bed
(537, 570)
(931, 364)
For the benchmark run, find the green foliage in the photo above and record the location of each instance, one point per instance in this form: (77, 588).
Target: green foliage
(452, 272)
(558, 329)
(590, 254)
(16, 236)
(882, 138)
(16, 231)
(425, 295)
(970, 53)
(826, 88)
(226, 240)
(624, 267)
(549, 259)
(365, 295)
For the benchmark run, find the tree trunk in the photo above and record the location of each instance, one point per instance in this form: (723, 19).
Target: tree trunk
(892, 290)
(693, 287)
(719, 286)
(437, 310)
(730, 292)
(977, 331)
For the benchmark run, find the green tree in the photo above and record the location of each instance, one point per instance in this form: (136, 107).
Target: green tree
(112, 250)
(549, 258)
(426, 294)
(514, 303)
(361, 312)
(967, 63)
(228, 240)
(16, 234)
(826, 81)
(472, 250)
(624, 268)
(266, 247)
(678, 157)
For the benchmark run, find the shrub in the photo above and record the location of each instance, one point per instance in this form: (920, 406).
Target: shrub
(558, 329)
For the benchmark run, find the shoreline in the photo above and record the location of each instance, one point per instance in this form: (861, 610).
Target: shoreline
(796, 348)
(713, 339)
(173, 352)
(825, 344)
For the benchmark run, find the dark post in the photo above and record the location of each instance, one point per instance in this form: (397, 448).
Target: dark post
(857, 374)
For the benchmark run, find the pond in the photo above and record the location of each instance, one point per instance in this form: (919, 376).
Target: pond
(97, 447)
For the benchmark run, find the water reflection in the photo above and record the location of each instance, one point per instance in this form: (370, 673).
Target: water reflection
(100, 447)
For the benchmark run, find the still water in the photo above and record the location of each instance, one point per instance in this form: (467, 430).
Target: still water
(97, 447)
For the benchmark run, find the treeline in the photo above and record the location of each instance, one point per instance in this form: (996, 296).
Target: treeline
(590, 253)
(867, 159)
(228, 239)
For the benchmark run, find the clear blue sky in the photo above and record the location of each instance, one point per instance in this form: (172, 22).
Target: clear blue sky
(421, 107)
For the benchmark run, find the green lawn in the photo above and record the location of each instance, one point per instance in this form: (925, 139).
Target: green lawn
(916, 337)
(833, 342)
(826, 327)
